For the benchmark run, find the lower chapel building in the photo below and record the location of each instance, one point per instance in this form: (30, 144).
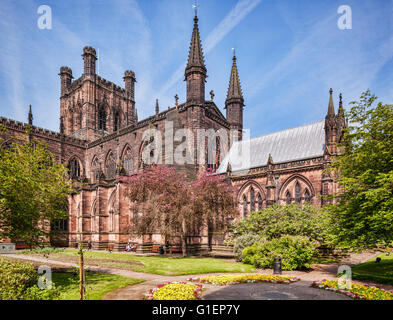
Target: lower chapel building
(100, 139)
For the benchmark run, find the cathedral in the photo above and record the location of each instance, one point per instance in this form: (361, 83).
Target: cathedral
(101, 139)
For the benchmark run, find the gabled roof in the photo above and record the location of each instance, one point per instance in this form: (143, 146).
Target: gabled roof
(211, 106)
(307, 141)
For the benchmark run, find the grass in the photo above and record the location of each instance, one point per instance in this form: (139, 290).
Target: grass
(153, 264)
(97, 284)
(381, 272)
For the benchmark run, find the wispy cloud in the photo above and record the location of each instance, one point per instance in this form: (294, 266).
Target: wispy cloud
(232, 19)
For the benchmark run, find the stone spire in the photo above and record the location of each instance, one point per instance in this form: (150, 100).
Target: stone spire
(234, 89)
(331, 105)
(195, 55)
(30, 116)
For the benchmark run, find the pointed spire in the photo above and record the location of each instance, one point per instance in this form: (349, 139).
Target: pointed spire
(331, 105)
(30, 116)
(234, 89)
(340, 106)
(195, 55)
(157, 107)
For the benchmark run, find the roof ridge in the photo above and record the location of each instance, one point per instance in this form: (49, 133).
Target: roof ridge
(303, 125)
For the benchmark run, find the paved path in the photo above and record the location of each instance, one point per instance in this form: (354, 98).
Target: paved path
(259, 291)
(270, 291)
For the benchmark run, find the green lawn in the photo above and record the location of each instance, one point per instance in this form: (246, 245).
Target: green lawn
(153, 264)
(381, 272)
(97, 284)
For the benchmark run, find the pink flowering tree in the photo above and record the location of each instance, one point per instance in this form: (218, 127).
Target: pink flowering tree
(214, 203)
(160, 201)
(164, 202)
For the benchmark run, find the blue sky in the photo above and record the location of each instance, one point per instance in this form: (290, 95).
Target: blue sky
(290, 52)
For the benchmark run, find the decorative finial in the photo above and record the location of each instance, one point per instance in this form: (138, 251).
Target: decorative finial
(195, 6)
(176, 100)
(331, 91)
(234, 53)
(212, 95)
(30, 116)
(157, 107)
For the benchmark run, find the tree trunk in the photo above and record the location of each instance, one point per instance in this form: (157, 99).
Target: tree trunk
(184, 239)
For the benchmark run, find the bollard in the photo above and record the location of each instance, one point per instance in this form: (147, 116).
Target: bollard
(277, 266)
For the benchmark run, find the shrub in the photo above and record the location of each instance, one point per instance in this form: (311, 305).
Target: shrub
(295, 220)
(295, 252)
(18, 281)
(244, 241)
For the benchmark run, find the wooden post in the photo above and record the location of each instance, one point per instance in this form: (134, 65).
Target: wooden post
(81, 273)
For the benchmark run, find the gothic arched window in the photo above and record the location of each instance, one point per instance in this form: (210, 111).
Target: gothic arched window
(252, 199)
(110, 166)
(297, 192)
(218, 153)
(95, 170)
(259, 202)
(288, 199)
(128, 163)
(244, 206)
(307, 196)
(116, 121)
(101, 119)
(74, 169)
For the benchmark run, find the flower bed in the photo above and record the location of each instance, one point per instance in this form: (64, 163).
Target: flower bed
(175, 291)
(357, 291)
(223, 280)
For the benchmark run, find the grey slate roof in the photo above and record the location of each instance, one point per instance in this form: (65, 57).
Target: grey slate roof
(307, 141)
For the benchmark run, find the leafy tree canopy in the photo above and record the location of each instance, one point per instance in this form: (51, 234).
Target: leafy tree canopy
(365, 173)
(278, 220)
(33, 191)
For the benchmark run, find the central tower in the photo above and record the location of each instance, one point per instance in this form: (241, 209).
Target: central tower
(195, 73)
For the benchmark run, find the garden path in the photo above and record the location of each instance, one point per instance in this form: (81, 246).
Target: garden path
(298, 290)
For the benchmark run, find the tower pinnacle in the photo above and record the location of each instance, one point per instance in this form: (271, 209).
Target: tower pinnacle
(30, 116)
(331, 105)
(234, 89)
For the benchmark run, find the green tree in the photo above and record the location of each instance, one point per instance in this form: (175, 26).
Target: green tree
(365, 174)
(33, 191)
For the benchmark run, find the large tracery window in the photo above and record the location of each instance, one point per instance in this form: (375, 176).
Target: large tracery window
(110, 166)
(95, 170)
(244, 206)
(74, 169)
(252, 199)
(288, 199)
(307, 196)
(297, 193)
(259, 202)
(101, 119)
(128, 163)
(116, 121)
